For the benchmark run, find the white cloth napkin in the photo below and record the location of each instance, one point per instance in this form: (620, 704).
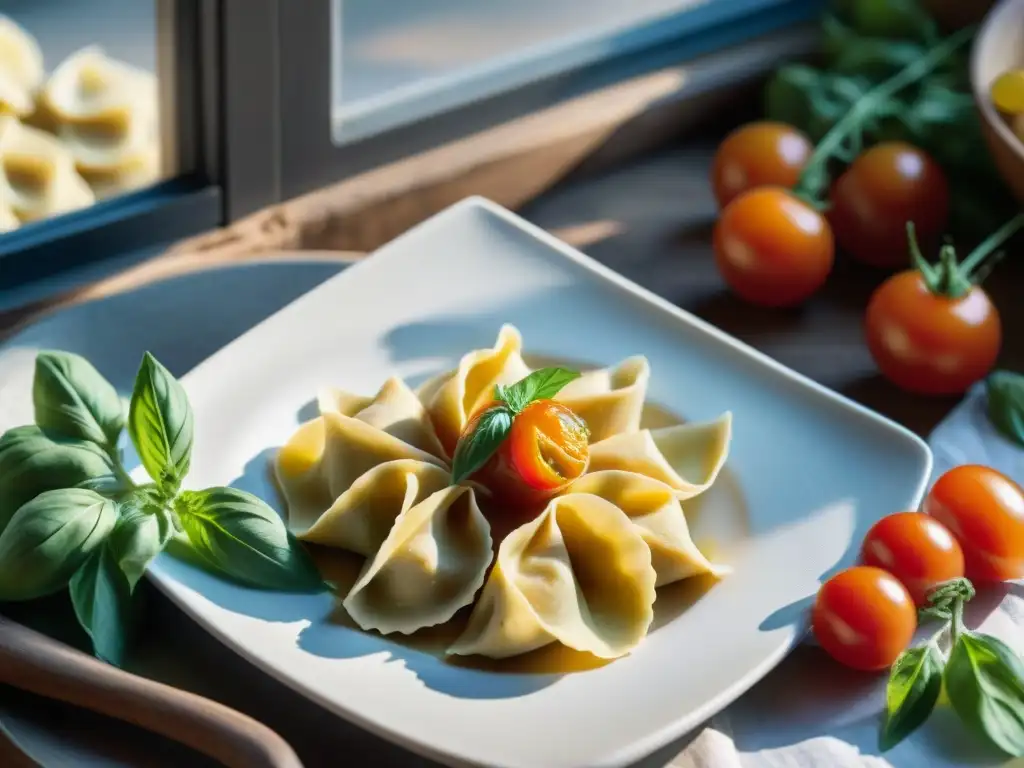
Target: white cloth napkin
(812, 713)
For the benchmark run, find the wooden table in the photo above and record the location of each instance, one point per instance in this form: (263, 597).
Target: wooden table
(650, 220)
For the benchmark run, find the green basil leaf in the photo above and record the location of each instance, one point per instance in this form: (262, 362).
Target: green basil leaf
(985, 684)
(239, 535)
(72, 399)
(474, 449)
(139, 536)
(539, 385)
(915, 682)
(160, 424)
(102, 601)
(32, 462)
(48, 538)
(1005, 391)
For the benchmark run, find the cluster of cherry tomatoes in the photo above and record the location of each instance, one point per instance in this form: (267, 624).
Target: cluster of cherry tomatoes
(971, 524)
(775, 249)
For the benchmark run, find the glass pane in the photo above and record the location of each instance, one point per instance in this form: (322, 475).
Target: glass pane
(397, 61)
(79, 113)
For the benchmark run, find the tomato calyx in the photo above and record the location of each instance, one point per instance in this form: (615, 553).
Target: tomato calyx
(946, 601)
(950, 277)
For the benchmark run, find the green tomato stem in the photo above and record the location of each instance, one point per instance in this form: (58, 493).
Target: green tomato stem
(832, 143)
(956, 625)
(990, 243)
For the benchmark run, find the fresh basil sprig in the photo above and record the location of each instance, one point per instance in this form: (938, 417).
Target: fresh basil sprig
(160, 424)
(72, 399)
(910, 695)
(243, 538)
(48, 538)
(1005, 399)
(101, 597)
(72, 517)
(475, 449)
(32, 462)
(983, 677)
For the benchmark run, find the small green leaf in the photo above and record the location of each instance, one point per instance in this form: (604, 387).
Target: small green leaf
(32, 462)
(985, 684)
(915, 682)
(102, 602)
(1005, 395)
(72, 399)
(474, 449)
(539, 385)
(239, 535)
(139, 536)
(48, 538)
(160, 424)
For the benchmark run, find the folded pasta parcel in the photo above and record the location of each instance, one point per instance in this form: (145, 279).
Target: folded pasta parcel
(532, 498)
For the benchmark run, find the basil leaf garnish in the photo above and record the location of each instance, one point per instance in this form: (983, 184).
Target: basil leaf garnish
(542, 384)
(915, 682)
(48, 538)
(139, 536)
(71, 398)
(101, 598)
(160, 424)
(474, 449)
(32, 462)
(1005, 396)
(985, 683)
(239, 535)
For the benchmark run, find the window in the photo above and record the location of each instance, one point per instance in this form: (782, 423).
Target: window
(403, 60)
(363, 82)
(90, 137)
(80, 94)
(125, 124)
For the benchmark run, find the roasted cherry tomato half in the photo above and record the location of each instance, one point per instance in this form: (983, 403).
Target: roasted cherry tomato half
(864, 618)
(915, 548)
(760, 154)
(546, 449)
(928, 343)
(984, 509)
(884, 188)
(772, 248)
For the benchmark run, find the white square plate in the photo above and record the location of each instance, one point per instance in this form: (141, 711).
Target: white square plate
(808, 472)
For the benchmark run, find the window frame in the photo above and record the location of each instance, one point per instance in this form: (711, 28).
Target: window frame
(188, 55)
(309, 158)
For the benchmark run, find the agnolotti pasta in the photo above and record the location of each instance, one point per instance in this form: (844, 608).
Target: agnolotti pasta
(21, 69)
(373, 475)
(37, 173)
(580, 574)
(106, 113)
(453, 398)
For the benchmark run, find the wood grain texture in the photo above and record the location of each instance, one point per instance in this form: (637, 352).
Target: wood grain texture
(34, 662)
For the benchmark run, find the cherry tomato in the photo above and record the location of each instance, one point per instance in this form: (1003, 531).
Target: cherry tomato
(915, 548)
(931, 344)
(985, 511)
(546, 449)
(864, 618)
(758, 154)
(772, 248)
(884, 188)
